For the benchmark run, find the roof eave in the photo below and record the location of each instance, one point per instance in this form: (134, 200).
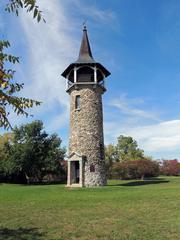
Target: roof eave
(70, 67)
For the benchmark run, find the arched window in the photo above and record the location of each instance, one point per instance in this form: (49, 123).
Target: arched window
(77, 102)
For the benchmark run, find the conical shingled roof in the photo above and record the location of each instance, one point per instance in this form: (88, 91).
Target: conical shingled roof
(85, 57)
(85, 54)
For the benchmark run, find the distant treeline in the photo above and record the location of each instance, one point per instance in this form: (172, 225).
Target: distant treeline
(29, 155)
(125, 160)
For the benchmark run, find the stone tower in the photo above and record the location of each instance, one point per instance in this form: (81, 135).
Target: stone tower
(85, 85)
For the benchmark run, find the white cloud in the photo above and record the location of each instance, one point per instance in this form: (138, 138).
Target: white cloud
(156, 137)
(164, 136)
(106, 16)
(127, 107)
(160, 139)
(50, 50)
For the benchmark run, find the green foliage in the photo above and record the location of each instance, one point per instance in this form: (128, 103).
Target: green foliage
(9, 89)
(127, 149)
(110, 157)
(33, 153)
(6, 166)
(29, 5)
(127, 160)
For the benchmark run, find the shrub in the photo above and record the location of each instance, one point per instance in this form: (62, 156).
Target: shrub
(170, 167)
(135, 169)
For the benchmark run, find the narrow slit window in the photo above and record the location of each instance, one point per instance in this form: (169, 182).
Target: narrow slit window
(77, 102)
(101, 151)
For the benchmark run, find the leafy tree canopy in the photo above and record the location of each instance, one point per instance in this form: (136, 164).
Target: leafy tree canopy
(29, 5)
(170, 167)
(6, 165)
(127, 149)
(136, 169)
(124, 151)
(33, 153)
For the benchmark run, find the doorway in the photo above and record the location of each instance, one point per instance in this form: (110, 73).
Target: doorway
(75, 172)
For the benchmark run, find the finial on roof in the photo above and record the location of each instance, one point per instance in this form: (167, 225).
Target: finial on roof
(84, 26)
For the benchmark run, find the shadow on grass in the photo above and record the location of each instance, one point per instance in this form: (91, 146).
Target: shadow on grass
(20, 234)
(141, 182)
(43, 183)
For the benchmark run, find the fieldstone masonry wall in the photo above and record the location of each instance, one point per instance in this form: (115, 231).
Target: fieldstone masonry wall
(86, 133)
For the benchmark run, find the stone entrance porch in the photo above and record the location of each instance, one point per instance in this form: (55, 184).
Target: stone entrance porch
(75, 171)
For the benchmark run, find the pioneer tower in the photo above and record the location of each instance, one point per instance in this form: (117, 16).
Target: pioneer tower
(85, 85)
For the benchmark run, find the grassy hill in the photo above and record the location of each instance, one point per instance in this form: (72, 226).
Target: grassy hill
(124, 210)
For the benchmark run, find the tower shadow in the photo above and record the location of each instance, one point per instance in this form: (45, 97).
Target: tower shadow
(20, 234)
(141, 182)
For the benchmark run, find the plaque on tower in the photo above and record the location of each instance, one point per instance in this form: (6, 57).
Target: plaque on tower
(92, 168)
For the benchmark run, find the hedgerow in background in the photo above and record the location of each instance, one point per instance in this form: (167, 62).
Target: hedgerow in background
(138, 169)
(170, 167)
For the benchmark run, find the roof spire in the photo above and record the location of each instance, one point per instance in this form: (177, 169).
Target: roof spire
(84, 26)
(85, 57)
(85, 54)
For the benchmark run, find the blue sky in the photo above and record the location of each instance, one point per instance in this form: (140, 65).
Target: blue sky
(137, 41)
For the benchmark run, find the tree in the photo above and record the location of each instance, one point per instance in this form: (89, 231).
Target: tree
(126, 159)
(8, 88)
(110, 157)
(6, 166)
(170, 167)
(146, 168)
(29, 5)
(138, 169)
(127, 149)
(35, 153)
(120, 170)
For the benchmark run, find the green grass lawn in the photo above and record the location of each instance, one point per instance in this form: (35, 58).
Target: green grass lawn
(124, 210)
